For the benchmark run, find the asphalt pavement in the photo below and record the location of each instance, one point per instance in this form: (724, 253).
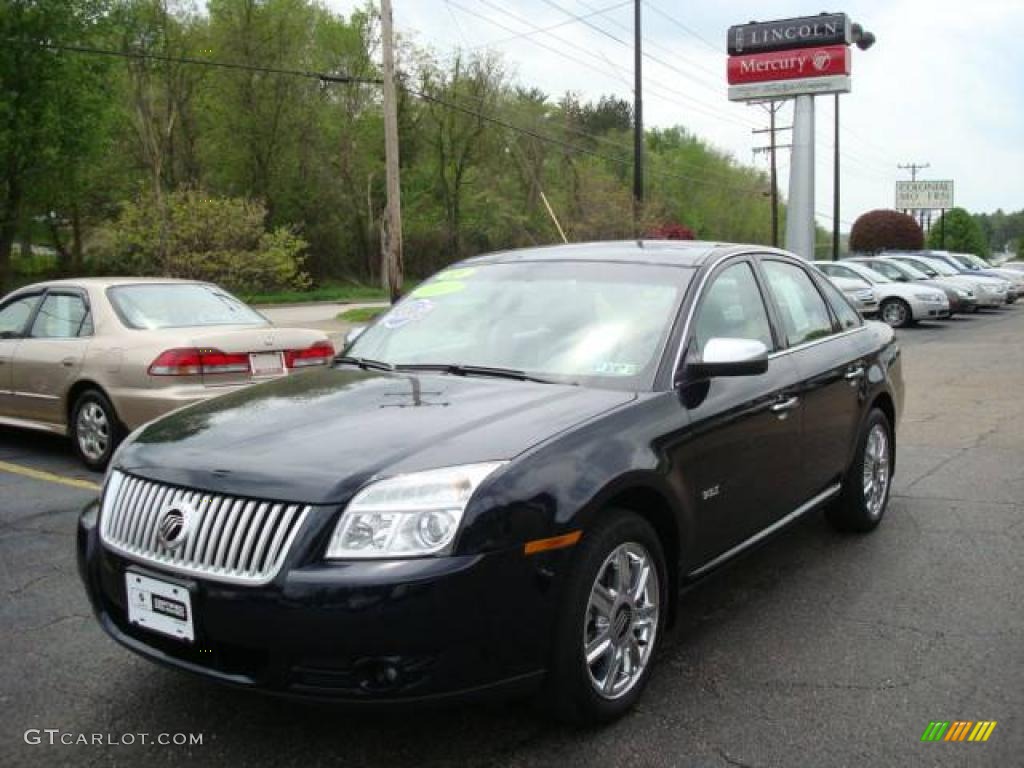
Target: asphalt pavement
(815, 650)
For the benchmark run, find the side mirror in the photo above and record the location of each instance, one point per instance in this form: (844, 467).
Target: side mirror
(729, 357)
(354, 334)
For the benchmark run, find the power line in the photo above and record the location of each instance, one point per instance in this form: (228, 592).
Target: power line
(325, 77)
(653, 86)
(140, 55)
(559, 25)
(625, 161)
(716, 48)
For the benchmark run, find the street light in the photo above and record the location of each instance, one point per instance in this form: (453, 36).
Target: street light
(863, 40)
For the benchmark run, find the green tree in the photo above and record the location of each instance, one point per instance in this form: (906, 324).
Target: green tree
(52, 107)
(956, 230)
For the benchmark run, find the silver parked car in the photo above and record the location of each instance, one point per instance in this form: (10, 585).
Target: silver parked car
(961, 298)
(859, 293)
(989, 291)
(900, 304)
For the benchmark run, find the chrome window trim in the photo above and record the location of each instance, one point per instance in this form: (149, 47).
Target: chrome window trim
(711, 268)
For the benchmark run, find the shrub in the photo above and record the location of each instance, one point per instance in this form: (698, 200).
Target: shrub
(671, 232)
(885, 230)
(194, 236)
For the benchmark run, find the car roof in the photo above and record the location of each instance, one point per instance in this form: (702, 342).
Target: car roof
(107, 282)
(682, 253)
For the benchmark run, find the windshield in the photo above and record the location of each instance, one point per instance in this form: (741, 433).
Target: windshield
(918, 264)
(603, 324)
(871, 275)
(179, 305)
(912, 272)
(942, 268)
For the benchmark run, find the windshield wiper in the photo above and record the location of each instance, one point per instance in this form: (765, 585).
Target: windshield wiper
(461, 369)
(365, 363)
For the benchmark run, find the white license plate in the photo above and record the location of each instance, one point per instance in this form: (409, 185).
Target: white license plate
(160, 606)
(266, 364)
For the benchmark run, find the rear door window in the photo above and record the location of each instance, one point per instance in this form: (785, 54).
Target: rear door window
(62, 316)
(802, 310)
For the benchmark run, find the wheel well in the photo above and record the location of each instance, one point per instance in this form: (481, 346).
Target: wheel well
(885, 404)
(653, 508)
(76, 391)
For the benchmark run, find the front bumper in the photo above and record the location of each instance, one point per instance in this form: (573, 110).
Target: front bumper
(361, 632)
(927, 310)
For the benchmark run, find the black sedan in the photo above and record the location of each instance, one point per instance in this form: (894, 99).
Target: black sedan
(504, 483)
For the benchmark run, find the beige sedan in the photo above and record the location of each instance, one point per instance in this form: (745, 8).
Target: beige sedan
(94, 358)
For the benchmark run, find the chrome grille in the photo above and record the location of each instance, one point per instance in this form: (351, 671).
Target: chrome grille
(227, 538)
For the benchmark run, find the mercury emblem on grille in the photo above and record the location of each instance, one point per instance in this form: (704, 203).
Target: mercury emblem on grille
(175, 525)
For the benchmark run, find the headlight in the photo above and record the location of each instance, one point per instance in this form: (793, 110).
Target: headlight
(930, 298)
(408, 515)
(962, 294)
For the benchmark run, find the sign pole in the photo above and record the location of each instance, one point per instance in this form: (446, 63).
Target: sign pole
(800, 213)
(835, 189)
(638, 118)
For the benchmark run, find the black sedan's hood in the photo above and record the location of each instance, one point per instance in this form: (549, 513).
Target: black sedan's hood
(316, 437)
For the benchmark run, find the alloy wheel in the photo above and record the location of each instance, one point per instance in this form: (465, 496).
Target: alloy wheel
(92, 429)
(876, 469)
(894, 314)
(621, 620)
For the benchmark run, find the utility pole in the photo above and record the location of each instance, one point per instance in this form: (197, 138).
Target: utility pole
(835, 190)
(638, 118)
(392, 245)
(772, 107)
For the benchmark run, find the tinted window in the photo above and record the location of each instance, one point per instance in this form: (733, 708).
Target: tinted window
(15, 315)
(179, 305)
(848, 316)
(804, 314)
(62, 316)
(733, 308)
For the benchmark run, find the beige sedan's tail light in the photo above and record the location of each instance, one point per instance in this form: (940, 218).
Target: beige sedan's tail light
(320, 353)
(192, 362)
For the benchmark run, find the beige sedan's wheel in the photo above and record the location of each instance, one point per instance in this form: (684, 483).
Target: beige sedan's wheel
(95, 430)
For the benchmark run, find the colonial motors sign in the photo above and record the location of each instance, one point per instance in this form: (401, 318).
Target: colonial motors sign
(786, 34)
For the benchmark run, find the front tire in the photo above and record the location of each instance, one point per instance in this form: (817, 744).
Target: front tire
(614, 613)
(896, 313)
(95, 430)
(865, 495)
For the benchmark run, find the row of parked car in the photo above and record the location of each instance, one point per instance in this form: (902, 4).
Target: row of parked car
(904, 287)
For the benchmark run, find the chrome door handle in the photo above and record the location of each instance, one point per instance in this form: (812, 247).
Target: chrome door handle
(784, 406)
(67, 362)
(855, 373)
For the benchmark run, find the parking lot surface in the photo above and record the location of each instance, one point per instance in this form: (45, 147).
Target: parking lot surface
(815, 650)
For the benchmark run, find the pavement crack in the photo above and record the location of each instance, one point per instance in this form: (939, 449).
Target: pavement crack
(734, 760)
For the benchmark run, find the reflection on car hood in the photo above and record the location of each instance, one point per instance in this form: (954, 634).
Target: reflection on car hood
(317, 436)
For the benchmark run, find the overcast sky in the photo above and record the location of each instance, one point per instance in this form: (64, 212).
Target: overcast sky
(943, 84)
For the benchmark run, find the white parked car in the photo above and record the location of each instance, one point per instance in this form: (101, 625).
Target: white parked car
(900, 304)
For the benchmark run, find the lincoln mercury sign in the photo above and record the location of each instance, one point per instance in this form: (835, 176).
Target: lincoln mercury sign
(789, 65)
(786, 34)
(924, 195)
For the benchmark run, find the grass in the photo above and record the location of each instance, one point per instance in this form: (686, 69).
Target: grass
(327, 291)
(362, 314)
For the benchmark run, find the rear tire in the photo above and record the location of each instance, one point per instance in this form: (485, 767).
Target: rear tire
(94, 429)
(865, 495)
(614, 612)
